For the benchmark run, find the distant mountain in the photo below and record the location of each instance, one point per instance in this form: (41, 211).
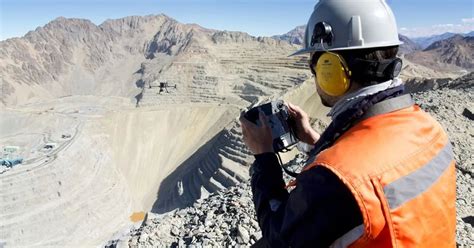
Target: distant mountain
(425, 42)
(295, 36)
(128, 56)
(70, 56)
(457, 51)
(408, 45)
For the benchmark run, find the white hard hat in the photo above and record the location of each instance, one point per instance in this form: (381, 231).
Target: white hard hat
(350, 24)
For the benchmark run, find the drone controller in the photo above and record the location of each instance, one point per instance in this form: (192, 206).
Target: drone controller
(280, 122)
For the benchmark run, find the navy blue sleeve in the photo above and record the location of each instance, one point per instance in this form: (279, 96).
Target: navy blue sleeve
(318, 211)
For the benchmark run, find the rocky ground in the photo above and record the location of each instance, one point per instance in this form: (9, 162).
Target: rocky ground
(227, 218)
(452, 104)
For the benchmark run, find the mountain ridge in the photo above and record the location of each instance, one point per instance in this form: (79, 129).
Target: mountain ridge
(294, 36)
(75, 56)
(454, 52)
(425, 42)
(408, 46)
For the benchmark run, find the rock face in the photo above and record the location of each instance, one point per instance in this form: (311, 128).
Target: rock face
(295, 36)
(408, 45)
(231, 211)
(72, 56)
(455, 52)
(130, 56)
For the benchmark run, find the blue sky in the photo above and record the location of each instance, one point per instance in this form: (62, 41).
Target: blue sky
(257, 17)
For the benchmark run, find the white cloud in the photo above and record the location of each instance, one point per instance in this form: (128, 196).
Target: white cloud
(444, 25)
(468, 20)
(466, 25)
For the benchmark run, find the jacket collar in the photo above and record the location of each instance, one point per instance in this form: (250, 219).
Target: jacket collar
(355, 97)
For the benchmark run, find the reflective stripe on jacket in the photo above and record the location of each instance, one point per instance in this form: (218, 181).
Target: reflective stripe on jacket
(399, 167)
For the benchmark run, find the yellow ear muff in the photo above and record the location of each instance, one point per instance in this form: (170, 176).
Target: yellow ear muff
(332, 74)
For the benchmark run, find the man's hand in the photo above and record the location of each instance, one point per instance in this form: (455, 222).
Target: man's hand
(304, 131)
(257, 138)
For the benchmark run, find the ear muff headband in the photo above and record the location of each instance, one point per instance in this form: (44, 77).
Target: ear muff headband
(332, 74)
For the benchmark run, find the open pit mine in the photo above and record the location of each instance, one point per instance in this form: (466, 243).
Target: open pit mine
(105, 127)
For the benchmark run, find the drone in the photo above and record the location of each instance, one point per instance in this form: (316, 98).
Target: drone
(164, 87)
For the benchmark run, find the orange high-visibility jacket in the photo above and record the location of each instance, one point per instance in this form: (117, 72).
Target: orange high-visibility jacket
(399, 167)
